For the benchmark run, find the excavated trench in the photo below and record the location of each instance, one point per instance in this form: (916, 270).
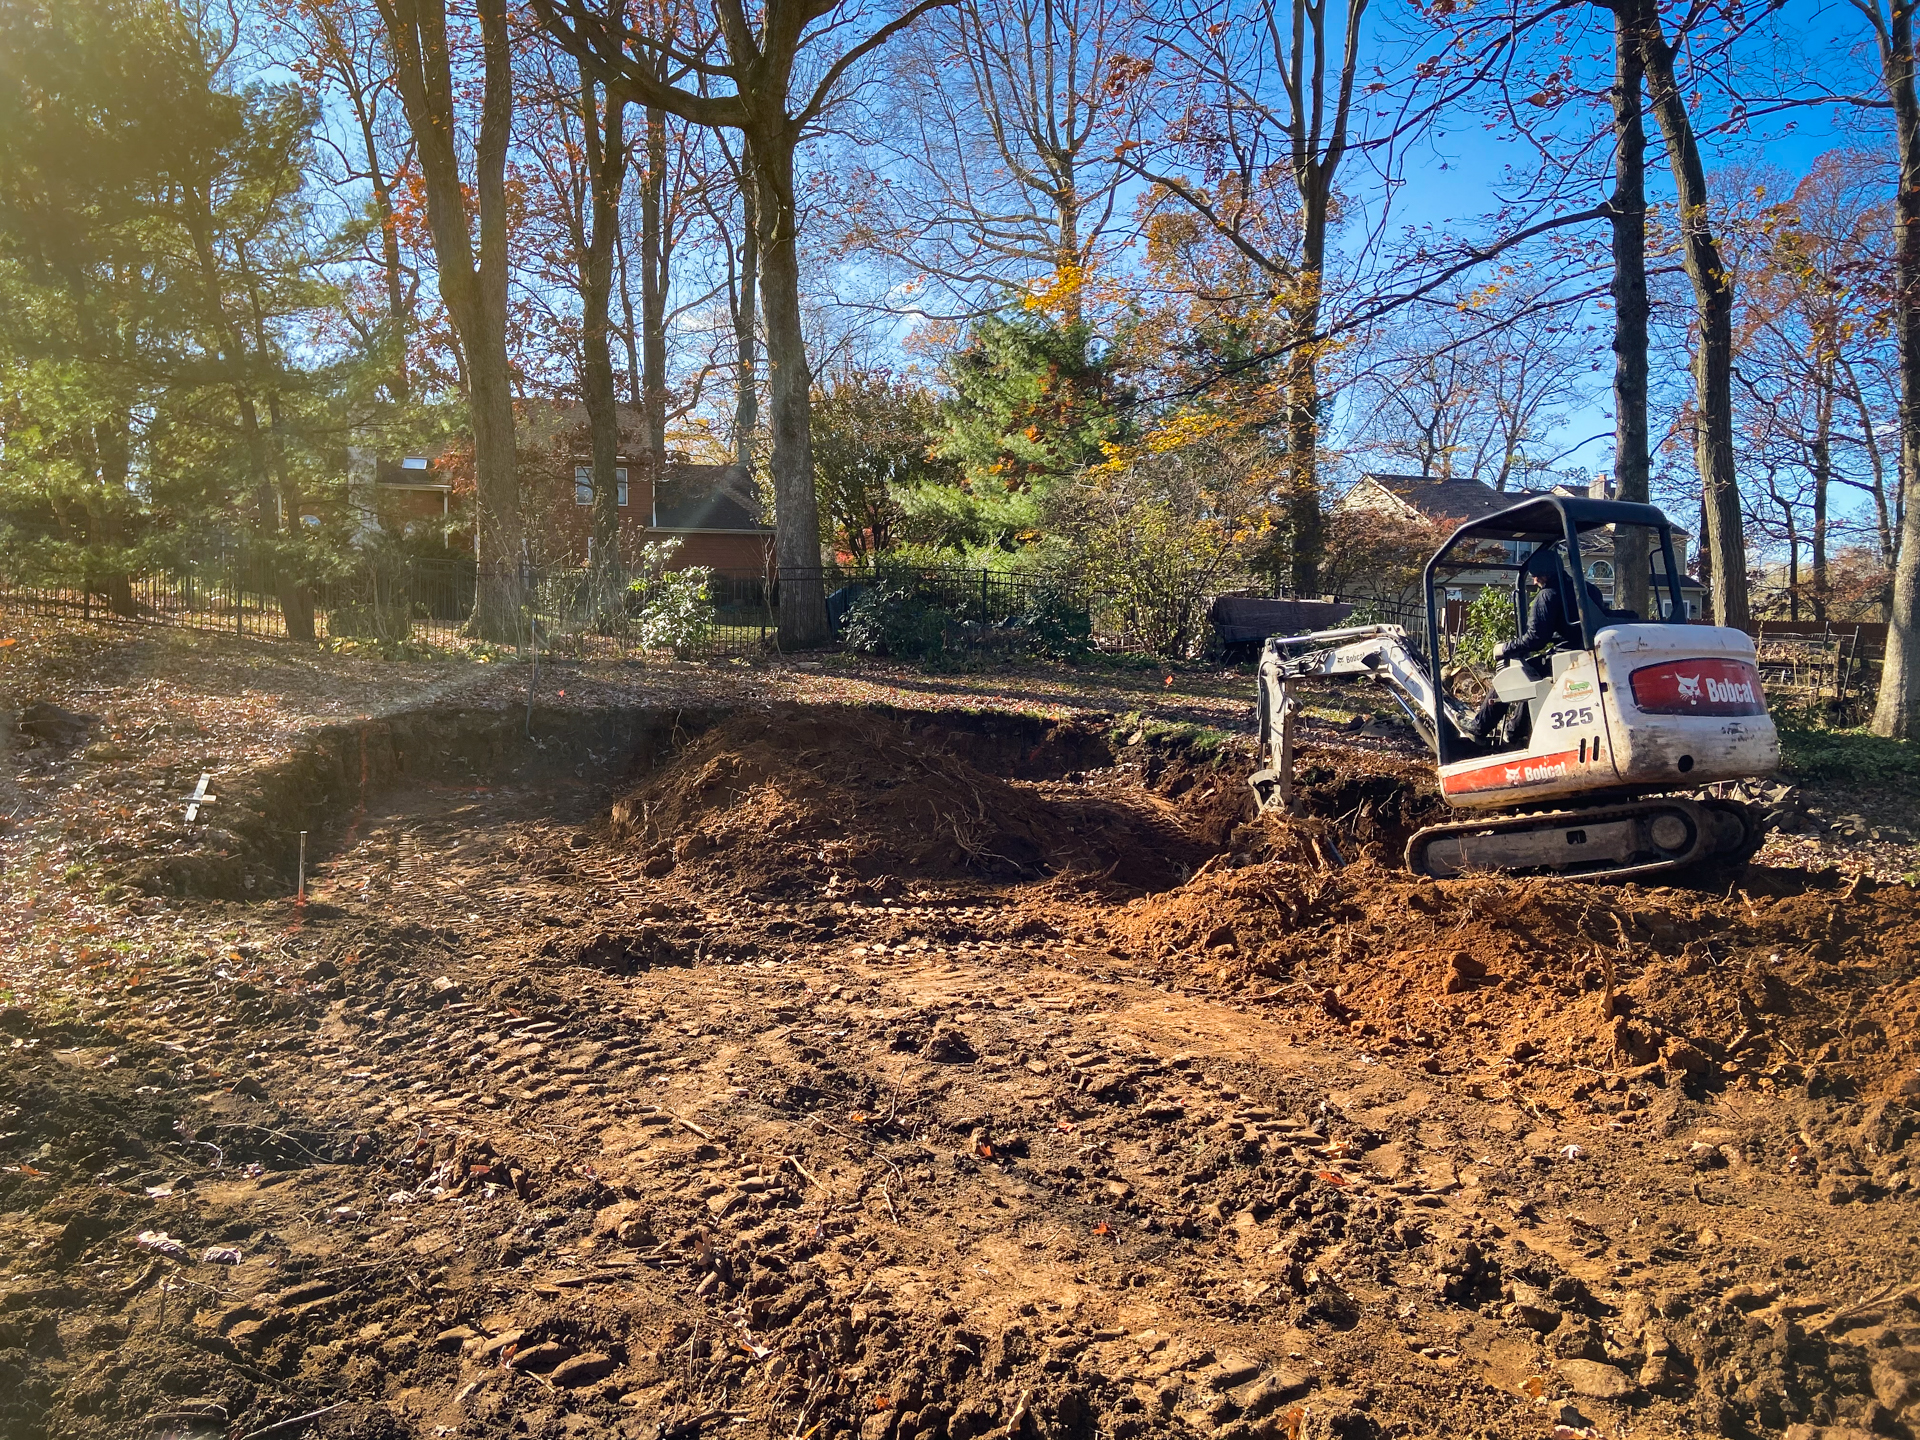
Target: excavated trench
(980, 795)
(887, 1075)
(876, 792)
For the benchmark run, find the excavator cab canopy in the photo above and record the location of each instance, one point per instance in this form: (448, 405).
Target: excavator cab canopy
(1539, 536)
(1485, 552)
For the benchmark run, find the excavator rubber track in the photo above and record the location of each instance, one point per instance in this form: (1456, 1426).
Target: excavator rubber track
(1603, 842)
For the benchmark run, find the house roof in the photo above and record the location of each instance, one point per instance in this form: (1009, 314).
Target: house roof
(1444, 499)
(707, 497)
(561, 428)
(413, 471)
(1545, 516)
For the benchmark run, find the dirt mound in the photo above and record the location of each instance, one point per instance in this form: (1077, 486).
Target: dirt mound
(1787, 979)
(1367, 799)
(841, 799)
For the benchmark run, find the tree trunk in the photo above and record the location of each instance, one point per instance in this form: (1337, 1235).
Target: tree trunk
(630, 334)
(1068, 257)
(1705, 560)
(1713, 306)
(1897, 713)
(290, 584)
(113, 442)
(1318, 143)
(475, 295)
(398, 310)
(1632, 465)
(803, 606)
(653, 297)
(1822, 481)
(746, 326)
(1883, 515)
(498, 601)
(280, 513)
(1793, 555)
(606, 167)
(1304, 523)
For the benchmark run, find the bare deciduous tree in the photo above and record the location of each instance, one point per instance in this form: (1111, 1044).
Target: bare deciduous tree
(1475, 387)
(1627, 218)
(1725, 539)
(1000, 141)
(1256, 102)
(1811, 329)
(338, 49)
(1897, 712)
(473, 286)
(758, 57)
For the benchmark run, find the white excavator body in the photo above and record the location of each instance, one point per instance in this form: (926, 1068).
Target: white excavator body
(1649, 708)
(1604, 735)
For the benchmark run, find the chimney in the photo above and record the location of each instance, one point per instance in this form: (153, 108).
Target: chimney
(1600, 487)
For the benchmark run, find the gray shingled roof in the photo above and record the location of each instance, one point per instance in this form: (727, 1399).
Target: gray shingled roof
(707, 497)
(1454, 499)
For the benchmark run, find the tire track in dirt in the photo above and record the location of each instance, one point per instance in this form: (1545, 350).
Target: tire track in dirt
(511, 1139)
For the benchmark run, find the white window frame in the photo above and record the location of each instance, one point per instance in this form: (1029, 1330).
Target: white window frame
(583, 485)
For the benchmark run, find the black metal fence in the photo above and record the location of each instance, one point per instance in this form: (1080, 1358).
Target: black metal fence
(411, 605)
(425, 605)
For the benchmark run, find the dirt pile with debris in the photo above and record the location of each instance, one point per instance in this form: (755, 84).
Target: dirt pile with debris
(792, 799)
(1785, 978)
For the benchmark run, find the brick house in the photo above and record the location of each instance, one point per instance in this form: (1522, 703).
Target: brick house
(712, 510)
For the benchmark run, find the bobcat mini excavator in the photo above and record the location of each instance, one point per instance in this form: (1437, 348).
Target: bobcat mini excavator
(1604, 732)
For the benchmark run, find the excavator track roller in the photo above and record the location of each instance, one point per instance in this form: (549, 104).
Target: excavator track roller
(1601, 843)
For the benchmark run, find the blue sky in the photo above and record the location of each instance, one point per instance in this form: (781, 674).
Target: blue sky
(1460, 175)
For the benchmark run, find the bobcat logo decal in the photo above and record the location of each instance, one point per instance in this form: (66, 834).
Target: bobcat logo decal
(1513, 773)
(1689, 687)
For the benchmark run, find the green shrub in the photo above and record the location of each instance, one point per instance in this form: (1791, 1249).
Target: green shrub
(891, 621)
(671, 609)
(1489, 624)
(385, 625)
(1056, 626)
(678, 612)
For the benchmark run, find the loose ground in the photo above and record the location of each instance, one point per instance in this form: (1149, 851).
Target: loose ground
(785, 1051)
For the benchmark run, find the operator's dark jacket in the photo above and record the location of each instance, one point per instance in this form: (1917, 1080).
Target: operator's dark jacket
(1548, 622)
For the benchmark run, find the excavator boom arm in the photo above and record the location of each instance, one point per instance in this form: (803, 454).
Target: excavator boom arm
(1362, 652)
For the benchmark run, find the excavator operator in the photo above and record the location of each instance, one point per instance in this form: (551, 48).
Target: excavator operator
(1553, 623)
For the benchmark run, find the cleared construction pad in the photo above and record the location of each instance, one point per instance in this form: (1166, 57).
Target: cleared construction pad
(865, 1073)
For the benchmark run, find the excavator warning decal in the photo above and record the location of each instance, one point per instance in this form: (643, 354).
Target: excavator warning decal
(1521, 771)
